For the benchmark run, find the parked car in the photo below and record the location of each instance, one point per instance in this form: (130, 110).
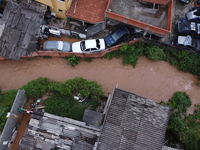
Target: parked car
(47, 30)
(185, 27)
(94, 45)
(186, 42)
(184, 1)
(188, 28)
(117, 36)
(194, 14)
(63, 46)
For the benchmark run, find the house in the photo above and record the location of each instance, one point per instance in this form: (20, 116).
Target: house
(46, 131)
(133, 122)
(20, 28)
(130, 122)
(153, 16)
(57, 7)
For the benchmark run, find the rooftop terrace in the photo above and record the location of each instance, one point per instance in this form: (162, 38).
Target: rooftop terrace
(141, 12)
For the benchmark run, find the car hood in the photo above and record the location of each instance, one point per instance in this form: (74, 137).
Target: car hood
(76, 48)
(109, 40)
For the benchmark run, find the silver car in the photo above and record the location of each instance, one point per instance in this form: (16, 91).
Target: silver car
(63, 46)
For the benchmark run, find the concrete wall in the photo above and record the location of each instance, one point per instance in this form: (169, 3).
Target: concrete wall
(68, 54)
(20, 101)
(141, 25)
(56, 5)
(161, 2)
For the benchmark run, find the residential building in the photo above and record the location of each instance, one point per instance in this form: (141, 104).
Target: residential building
(57, 7)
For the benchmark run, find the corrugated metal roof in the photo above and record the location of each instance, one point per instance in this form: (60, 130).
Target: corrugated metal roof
(134, 122)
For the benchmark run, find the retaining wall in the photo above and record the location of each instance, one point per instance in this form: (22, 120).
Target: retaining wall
(68, 54)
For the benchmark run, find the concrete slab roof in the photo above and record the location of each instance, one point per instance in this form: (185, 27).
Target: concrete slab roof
(133, 122)
(92, 11)
(141, 12)
(19, 28)
(157, 20)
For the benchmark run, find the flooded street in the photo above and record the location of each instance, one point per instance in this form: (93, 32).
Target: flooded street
(154, 80)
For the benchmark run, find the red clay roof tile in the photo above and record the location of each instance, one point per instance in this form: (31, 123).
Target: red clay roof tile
(92, 11)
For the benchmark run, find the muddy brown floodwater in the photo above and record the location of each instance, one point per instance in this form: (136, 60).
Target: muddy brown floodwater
(150, 79)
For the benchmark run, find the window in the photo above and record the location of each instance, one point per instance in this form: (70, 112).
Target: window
(82, 45)
(87, 50)
(62, 0)
(59, 10)
(98, 43)
(93, 49)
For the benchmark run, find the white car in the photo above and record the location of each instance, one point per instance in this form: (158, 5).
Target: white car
(94, 45)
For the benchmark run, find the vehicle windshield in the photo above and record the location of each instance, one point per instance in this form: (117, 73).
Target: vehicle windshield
(115, 36)
(194, 43)
(82, 45)
(98, 43)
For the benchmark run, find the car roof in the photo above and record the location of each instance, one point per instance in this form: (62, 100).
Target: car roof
(121, 31)
(181, 40)
(90, 43)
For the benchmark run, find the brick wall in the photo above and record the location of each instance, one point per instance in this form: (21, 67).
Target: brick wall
(68, 54)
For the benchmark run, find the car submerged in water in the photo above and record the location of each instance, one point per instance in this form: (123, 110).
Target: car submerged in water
(117, 36)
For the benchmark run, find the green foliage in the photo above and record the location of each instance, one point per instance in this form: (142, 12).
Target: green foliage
(176, 122)
(65, 107)
(110, 55)
(6, 101)
(197, 83)
(8, 98)
(180, 101)
(88, 59)
(47, 57)
(73, 60)
(185, 128)
(196, 114)
(189, 62)
(36, 88)
(129, 55)
(154, 53)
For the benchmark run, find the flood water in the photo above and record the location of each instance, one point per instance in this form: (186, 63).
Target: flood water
(150, 79)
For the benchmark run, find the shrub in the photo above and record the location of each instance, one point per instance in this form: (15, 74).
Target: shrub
(180, 101)
(129, 55)
(88, 59)
(185, 128)
(110, 55)
(73, 60)
(154, 53)
(36, 88)
(6, 101)
(47, 57)
(65, 107)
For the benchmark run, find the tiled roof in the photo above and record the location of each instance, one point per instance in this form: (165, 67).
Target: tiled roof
(45, 131)
(19, 28)
(91, 11)
(134, 122)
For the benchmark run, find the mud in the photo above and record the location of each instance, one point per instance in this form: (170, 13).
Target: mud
(154, 80)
